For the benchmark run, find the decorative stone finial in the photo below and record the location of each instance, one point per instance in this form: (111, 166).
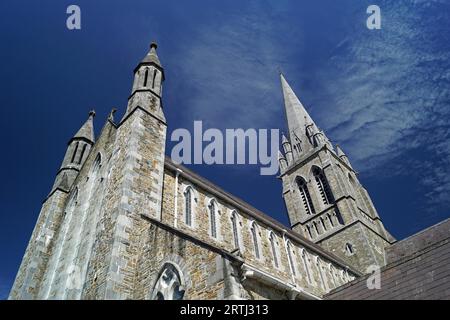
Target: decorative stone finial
(92, 113)
(153, 45)
(111, 114)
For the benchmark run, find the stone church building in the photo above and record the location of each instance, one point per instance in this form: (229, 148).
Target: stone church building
(123, 221)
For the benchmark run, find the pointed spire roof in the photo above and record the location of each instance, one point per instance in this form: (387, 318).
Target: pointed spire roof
(87, 129)
(152, 56)
(151, 59)
(296, 114)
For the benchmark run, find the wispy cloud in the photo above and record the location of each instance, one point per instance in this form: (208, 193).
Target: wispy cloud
(392, 98)
(231, 68)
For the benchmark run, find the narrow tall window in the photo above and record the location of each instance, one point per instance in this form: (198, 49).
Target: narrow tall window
(323, 224)
(306, 198)
(188, 207)
(321, 275)
(323, 186)
(306, 266)
(330, 219)
(333, 275)
(255, 240)
(74, 153)
(316, 228)
(349, 248)
(82, 153)
(290, 257)
(154, 78)
(234, 222)
(274, 249)
(145, 77)
(308, 229)
(212, 219)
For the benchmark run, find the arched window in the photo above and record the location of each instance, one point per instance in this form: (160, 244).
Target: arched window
(145, 77)
(273, 245)
(154, 78)
(330, 219)
(188, 197)
(290, 257)
(306, 198)
(349, 248)
(305, 261)
(74, 153)
(82, 153)
(323, 280)
(234, 225)
(322, 186)
(316, 228)
(169, 285)
(255, 237)
(213, 218)
(332, 272)
(308, 230)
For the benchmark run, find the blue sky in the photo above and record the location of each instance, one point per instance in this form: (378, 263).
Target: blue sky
(383, 95)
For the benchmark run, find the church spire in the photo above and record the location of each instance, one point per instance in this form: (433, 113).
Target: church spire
(152, 56)
(302, 131)
(77, 151)
(87, 129)
(296, 114)
(147, 85)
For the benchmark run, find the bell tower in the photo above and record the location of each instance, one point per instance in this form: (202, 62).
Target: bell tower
(325, 201)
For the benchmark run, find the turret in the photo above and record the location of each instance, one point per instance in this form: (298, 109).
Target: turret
(77, 151)
(147, 85)
(282, 161)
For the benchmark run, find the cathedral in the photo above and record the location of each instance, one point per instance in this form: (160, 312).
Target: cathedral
(123, 221)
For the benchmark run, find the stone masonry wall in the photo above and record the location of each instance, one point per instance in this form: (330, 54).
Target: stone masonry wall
(333, 274)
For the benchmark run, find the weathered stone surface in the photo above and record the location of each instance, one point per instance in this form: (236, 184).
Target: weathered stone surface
(116, 225)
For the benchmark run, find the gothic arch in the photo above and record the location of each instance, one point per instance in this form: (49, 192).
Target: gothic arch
(291, 257)
(305, 196)
(274, 247)
(256, 239)
(306, 265)
(323, 188)
(322, 275)
(170, 283)
(236, 229)
(190, 199)
(214, 218)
